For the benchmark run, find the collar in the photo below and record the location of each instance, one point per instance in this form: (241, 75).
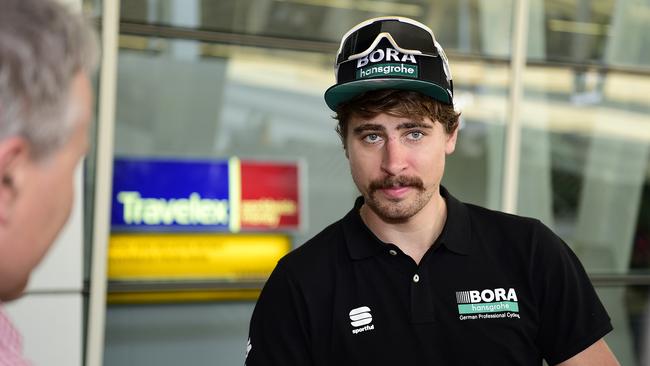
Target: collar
(455, 236)
(10, 341)
(361, 242)
(457, 233)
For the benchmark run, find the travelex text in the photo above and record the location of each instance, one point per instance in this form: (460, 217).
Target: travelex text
(205, 195)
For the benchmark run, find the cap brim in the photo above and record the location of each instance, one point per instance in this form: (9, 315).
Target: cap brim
(340, 93)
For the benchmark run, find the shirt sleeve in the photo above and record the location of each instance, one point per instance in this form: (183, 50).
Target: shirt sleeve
(278, 333)
(572, 318)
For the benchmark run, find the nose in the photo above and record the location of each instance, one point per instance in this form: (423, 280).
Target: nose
(394, 157)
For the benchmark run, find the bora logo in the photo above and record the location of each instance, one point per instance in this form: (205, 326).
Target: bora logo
(498, 300)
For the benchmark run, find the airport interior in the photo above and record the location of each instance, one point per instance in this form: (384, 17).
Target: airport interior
(217, 106)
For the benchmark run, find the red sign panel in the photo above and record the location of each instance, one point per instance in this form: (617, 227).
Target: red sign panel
(270, 196)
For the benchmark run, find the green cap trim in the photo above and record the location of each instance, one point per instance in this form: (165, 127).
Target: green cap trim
(340, 93)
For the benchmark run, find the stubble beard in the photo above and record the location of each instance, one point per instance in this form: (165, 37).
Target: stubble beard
(397, 210)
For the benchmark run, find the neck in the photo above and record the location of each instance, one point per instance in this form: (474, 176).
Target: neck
(415, 235)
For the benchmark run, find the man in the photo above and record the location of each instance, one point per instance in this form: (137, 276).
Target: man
(46, 57)
(412, 276)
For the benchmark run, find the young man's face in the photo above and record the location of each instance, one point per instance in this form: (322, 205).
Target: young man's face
(37, 202)
(397, 163)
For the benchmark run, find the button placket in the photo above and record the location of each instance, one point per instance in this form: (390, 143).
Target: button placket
(422, 307)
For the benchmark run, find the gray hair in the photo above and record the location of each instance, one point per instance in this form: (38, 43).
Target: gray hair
(43, 46)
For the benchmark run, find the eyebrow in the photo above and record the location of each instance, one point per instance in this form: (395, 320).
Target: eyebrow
(402, 126)
(414, 124)
(368, 127)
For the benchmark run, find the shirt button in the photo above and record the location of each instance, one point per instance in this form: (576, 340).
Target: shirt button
(392, 252)
(416, 278)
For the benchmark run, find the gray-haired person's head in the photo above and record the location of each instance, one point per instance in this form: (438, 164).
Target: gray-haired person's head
(43, 46)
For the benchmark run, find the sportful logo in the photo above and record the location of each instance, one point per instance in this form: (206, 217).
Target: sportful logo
(249, 346)
(487, 304)
(360, 319)
(398, 68)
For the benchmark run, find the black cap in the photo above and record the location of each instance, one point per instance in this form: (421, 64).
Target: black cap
(390, 53)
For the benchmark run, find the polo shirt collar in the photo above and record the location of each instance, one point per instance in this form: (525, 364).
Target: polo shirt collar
(361, 242)
(455, 235)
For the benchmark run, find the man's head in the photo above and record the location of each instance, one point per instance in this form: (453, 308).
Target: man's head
(46, 57)
(394, 104)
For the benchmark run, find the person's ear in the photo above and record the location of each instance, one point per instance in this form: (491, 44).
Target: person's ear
(13, 153)
(450, 144)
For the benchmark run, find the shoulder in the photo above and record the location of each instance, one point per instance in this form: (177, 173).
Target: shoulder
(515, 238)
(483, 221)
(497, 217)
(508, 225)
(320, 253)
(308, 273)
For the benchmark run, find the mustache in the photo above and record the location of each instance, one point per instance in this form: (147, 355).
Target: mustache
(398, 181)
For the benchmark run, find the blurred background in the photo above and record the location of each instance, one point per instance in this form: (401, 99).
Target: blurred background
(237, 85)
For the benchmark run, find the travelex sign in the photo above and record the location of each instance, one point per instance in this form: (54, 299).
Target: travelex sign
(205, 195)
(487, 304)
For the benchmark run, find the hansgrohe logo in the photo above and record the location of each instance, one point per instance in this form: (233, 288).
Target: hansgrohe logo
(388, 70)
(488, 301)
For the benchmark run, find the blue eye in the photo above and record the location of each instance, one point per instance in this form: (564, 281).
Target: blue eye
(371, 138)
(415, 135)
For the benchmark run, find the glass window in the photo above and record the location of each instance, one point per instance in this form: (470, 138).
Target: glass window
(584, 155)
(215, 79)
(585, 168)
(628, 306)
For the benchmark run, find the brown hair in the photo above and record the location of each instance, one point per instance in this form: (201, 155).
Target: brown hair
(398, 103)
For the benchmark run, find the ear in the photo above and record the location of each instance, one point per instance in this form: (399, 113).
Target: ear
(14, 152)
(450, 144)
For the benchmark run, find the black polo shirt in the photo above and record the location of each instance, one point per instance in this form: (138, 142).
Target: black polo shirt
(494, 289)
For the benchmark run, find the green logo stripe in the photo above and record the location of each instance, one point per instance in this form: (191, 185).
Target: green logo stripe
(388, 70)
(488, 307)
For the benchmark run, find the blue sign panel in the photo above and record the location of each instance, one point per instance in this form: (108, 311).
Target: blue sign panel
(170, 195)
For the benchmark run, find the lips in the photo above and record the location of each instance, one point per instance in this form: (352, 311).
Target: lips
(395, 192)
